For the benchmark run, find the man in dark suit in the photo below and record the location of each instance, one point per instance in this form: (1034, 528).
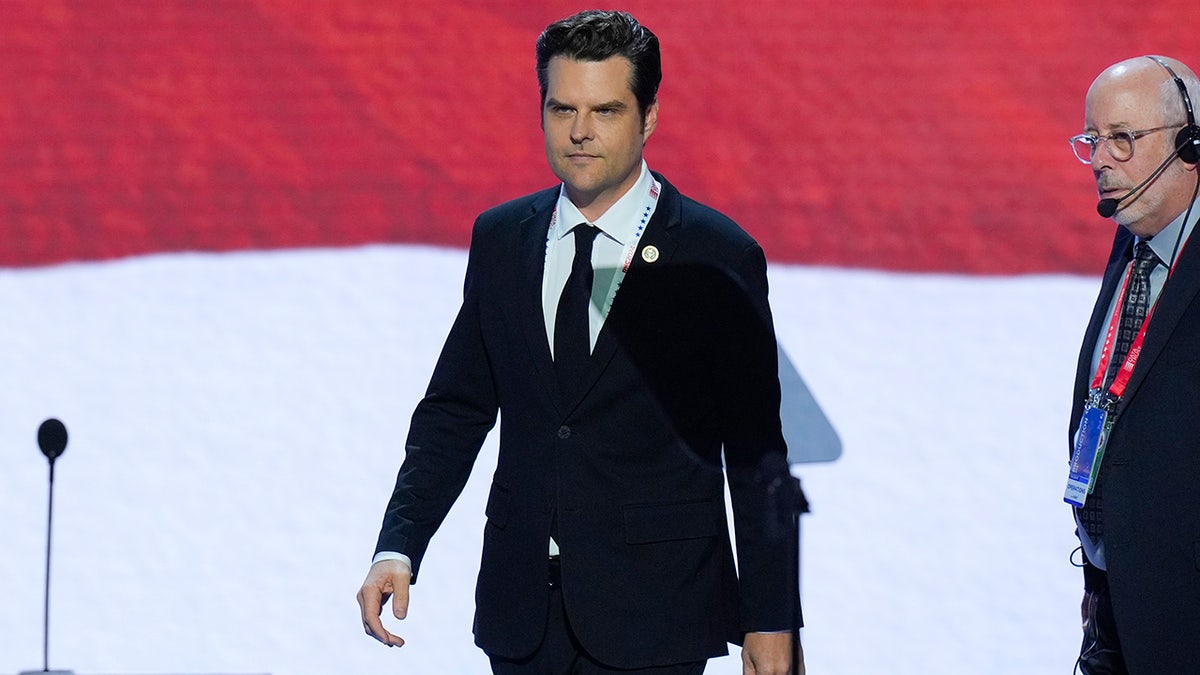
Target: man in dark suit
(1138, 379)
(622, 332)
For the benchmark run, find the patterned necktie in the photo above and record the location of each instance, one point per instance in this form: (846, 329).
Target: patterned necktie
(1133, 314)
(572, 335)
(1134, 308)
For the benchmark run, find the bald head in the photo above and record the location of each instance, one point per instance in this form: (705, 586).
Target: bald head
(1139, 95)
(1146, 79)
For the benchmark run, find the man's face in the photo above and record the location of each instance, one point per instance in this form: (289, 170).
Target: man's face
(594, 131)
(1128, 99)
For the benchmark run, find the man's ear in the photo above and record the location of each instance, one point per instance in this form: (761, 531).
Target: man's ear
(650, 122)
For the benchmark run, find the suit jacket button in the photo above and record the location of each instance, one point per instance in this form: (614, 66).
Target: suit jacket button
(564, 432)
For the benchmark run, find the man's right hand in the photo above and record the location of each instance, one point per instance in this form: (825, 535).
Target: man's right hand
(386, 578)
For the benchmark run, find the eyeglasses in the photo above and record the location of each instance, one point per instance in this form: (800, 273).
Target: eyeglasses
(1120, 143)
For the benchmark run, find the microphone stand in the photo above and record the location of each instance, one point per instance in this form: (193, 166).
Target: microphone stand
(52, 439)
(798, 506)
(787, 502)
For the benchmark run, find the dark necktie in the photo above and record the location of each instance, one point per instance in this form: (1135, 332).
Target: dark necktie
(572, 341)
(1133, 314)
(1134, 308)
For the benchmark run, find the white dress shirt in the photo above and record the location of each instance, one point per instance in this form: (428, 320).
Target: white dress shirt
(621, 228)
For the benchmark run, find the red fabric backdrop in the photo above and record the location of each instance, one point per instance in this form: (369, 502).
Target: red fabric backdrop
(924, 137)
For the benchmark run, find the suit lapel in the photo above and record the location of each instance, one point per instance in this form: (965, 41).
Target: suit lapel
(528, 312)
(1117, 261)
(1174, 299)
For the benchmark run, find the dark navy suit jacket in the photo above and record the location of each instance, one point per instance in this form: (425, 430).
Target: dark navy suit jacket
(1151, 473)
(682, 395)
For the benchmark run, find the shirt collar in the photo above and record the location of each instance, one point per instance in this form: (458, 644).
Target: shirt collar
(619, 222)
(1163, 243)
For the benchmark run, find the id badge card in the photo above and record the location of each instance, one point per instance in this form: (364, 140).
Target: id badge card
(1089, 452)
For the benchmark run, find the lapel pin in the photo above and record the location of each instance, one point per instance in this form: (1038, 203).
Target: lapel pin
(650, 254)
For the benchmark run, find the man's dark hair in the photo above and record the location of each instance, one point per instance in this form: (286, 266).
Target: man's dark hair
(596, 35)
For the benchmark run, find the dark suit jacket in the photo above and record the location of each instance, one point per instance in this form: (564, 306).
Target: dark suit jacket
(1151, 473)
(630, 468)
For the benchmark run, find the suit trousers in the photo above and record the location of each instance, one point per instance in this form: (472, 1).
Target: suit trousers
(561, 654)
(1100, 653)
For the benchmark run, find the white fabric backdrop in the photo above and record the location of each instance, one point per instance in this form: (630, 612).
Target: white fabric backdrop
(237, 420)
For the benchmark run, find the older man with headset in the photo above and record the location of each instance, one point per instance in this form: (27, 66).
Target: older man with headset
(1134, 479)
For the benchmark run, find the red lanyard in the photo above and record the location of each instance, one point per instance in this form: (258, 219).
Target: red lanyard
(1122, 379)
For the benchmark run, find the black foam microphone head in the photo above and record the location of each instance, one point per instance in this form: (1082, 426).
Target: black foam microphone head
(1107, 207)
(52, 438)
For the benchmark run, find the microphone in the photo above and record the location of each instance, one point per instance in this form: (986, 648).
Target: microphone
(1107, 207)
(52, 439)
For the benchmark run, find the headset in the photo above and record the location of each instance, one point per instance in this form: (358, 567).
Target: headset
(1187, 141)
(1187, 148)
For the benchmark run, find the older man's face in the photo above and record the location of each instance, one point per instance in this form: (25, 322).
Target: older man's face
(1127, 97)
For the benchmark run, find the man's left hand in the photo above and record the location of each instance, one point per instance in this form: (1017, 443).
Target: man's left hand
(770, 654)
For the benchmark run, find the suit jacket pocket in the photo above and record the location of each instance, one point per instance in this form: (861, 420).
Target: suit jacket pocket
(497, 506)
(647, 523)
